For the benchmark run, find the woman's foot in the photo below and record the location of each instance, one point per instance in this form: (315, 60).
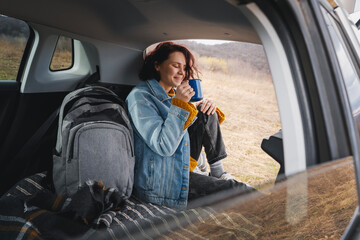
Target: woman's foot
(199, 171)
(227, 176)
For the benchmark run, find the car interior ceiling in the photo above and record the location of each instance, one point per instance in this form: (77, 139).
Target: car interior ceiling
(127, 22)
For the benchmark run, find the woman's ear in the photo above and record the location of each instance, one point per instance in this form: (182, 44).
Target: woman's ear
(157, 66)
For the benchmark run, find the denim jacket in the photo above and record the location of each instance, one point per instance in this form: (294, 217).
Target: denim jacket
(162, 147)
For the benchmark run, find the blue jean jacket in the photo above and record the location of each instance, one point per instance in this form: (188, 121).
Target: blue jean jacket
(162, 147)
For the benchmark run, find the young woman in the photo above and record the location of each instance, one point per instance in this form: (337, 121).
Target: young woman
(170, 132)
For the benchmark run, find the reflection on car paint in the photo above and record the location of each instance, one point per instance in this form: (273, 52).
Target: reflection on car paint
(324, 212)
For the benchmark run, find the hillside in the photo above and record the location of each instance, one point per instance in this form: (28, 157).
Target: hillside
(11, 27)
(245, 53)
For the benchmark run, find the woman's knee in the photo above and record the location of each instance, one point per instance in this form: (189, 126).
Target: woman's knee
(205, 117)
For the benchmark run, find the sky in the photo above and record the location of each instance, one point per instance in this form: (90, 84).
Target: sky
(210, 42)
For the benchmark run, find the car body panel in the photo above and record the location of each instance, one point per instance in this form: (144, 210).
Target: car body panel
(305, 212)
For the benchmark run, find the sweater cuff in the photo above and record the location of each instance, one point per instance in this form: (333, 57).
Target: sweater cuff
(188, 107)
(221, 115)
(193, 164)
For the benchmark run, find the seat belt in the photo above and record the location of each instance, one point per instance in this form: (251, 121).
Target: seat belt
(32, 145)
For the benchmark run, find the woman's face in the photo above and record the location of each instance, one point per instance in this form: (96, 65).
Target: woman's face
(172, 70)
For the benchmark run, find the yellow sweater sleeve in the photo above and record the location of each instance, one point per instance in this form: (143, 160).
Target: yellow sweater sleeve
(221, 115)
(188, 107)
(193, 164)
(171, 93)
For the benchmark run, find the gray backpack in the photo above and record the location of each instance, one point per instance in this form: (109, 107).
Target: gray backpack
(94, 142)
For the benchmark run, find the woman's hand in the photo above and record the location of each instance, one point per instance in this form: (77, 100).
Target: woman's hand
(208, 107)
(184, 91)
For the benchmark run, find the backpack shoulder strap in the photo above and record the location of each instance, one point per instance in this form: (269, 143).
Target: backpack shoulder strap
(93, 78)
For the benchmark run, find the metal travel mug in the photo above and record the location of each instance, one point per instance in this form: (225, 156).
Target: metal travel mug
(196, 85)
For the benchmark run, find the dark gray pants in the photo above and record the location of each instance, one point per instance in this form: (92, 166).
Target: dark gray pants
(201, 185)
(205, 131)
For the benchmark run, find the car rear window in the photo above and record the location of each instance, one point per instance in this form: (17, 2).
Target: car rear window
(62, 58)
(14, 35)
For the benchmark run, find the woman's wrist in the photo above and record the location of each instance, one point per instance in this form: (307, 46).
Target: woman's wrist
(187, 107)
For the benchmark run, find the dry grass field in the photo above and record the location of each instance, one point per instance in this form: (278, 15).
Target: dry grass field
(10, 57)
(249, 103)
(61, 60)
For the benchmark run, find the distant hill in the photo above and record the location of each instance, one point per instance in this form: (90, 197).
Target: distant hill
(12, 27)
(245, 52)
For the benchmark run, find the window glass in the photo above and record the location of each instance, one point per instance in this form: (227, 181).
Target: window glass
(319, 205)
(14, 35)
(63, 54)
(350, 76)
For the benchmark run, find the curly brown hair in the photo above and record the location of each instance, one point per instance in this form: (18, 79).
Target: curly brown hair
(160, 54)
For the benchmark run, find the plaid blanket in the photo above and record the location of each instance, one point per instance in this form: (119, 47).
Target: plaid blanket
(13, 224)
(29, 211)
(22, 218)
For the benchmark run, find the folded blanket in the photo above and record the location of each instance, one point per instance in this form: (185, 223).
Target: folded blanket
(91, 212)
(29, 210)
(87, 204)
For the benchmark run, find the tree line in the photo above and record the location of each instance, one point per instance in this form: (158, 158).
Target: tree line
(244, 52)
(11, 27)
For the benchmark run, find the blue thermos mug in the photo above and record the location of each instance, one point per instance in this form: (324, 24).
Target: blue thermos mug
(196, 86)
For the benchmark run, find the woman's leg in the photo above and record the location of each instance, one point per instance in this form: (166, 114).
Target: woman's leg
(201, 186)
(205, 131)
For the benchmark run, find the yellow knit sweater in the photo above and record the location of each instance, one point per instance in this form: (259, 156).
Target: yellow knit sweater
(193, 112)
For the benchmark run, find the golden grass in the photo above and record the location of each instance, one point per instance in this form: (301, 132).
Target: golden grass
(10, 58)
(213, 64)
(252, 114)
(61, 60)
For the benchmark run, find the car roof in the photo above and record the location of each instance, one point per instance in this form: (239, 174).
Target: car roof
(137, 22)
